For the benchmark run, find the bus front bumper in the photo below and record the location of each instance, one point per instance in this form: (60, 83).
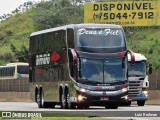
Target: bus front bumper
(139, 97)
(100, 97)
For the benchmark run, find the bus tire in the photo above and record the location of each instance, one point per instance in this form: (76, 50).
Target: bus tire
(128, 103)
(141, 103)
(79, 106)
(36, 94)
(60, 96)
(114, 105)
(86, 106)
(40, 98)
(107, 106)
(70, 104)
(64, 99)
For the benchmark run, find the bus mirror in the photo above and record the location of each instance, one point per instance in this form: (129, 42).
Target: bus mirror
(64, 49)
(132, 57)
(123, 65)
(150, 69)
(74, 55)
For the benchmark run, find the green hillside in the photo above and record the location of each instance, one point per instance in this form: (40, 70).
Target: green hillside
(146, 41)
(16, 30)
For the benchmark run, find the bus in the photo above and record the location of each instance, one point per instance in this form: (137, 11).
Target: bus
(14, 70)
(79, 65)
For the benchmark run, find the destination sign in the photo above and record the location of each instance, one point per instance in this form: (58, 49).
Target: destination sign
(128, 13)
(94, 32)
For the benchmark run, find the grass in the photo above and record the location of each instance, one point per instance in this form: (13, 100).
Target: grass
(71, 118)
(54, 116)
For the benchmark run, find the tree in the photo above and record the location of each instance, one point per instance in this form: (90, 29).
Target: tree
(56, 13)
(22, 55)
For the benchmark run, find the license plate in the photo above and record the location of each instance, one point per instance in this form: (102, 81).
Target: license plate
(104, 98)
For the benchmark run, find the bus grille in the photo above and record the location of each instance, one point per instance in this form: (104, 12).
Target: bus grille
(135, 88)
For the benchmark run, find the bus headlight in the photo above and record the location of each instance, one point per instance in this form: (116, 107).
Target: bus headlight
(145, 92)
(83, 90)
(124, 90)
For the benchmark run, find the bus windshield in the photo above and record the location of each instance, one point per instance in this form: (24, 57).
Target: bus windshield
(100, 38)
(138, 69)
(101, 71)
(22, 69)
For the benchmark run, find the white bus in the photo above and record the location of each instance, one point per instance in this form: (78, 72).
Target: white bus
(138, 79)
(14, 70)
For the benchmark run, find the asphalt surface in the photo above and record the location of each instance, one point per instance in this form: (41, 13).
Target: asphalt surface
(134, 112)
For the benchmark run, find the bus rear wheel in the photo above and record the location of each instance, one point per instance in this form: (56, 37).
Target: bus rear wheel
(40, 98)
(36, 94)
(61, 96)
(64, 100)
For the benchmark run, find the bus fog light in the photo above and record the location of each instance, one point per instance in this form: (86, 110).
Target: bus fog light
(124, 90)
(81, 98)
(125, 97)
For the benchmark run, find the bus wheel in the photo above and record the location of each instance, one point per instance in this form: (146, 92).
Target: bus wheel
(64, 100)
(86, 106)
(71, 105)
(128, 103)
(107, 106)
(141, 103)
(40, 99)
(36, 94)
(61, 96)
(114, 105)
(79, 106)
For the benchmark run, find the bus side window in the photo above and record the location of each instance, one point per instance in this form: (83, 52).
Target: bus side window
(45, 42)
(51, 40)
(70, 38)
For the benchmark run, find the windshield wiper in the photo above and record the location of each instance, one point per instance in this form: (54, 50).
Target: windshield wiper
(85, 80)
(117, 81)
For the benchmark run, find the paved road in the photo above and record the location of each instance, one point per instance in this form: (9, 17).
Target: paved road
(148, 112)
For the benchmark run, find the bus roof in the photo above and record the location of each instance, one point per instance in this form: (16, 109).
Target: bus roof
(6, 66)
(76, 26)
(138, 57)
(17, 63)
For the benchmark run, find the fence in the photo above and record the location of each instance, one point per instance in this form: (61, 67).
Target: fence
(154, 80)
(14, 85)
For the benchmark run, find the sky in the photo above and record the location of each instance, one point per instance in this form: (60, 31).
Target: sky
(7, 6)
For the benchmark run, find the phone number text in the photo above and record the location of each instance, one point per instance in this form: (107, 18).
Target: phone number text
(133, 15)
